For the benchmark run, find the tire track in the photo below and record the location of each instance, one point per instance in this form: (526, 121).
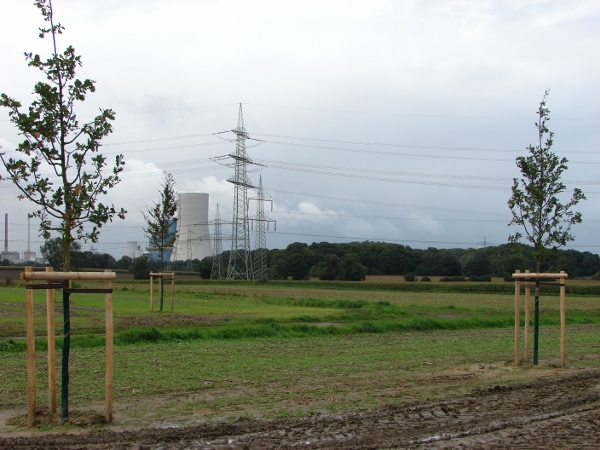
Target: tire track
(560, 412)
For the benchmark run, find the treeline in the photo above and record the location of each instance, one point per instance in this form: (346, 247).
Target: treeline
(356, 260)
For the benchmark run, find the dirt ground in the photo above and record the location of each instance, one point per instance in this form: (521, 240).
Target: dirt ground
(557, 411)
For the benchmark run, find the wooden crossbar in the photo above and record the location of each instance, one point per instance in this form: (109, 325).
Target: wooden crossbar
(528, 275)
(48, 276)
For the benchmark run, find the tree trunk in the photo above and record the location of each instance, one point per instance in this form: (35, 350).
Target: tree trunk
(66, 251)
(162, 291)
(64, 397)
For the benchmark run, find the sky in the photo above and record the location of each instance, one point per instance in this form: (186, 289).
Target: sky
(381, 120)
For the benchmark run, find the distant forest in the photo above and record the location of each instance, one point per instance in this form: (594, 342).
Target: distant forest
(355, 260)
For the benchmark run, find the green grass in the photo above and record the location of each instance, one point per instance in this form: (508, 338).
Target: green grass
(229, 311)
(272, 373)
(279, 350)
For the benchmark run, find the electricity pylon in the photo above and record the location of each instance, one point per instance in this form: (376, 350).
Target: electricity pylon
(240, 262)
(217, 268)
(261, 273)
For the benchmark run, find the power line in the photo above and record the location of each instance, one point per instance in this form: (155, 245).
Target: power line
(428, 116)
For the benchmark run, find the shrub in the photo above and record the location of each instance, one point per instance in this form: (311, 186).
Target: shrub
(596, 277)
(425, 278)
(410, 277)
(140, 268)
(481, 278)
(453, 278)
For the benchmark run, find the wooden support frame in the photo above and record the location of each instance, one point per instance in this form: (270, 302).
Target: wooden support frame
(527, 277)
(161, 276)
(53, 279)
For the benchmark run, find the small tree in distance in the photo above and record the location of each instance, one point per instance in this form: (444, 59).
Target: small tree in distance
(534, 203)
(160, 220)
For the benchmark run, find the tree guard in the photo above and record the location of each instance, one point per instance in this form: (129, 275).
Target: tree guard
(161, 276)
(527, 277)
(61, 280)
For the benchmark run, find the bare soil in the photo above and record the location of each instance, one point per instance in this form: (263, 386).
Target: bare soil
(556, 411)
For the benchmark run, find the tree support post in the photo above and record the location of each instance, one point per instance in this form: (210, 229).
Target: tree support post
(172, 289)
(527, 276)
(536, 322)
(108, 314)
(50, 333)
(517, 321)
(61, 280)
(527, 320)
(563, 319)
(30, 355)
(151, 292)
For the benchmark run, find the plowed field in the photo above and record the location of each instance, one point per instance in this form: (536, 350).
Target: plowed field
(554, 412)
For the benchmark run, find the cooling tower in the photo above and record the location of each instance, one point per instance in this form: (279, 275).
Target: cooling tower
(131, 247)
(193, 236)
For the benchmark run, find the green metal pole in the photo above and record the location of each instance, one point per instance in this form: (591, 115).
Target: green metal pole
(162, 292)
(536, 327)
(64, 397)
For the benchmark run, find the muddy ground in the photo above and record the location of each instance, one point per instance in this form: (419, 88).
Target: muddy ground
(552, 412)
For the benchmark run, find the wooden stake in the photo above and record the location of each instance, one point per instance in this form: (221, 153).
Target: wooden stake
(151, 291)
(51, 332)
(517, 320)
(563, 321)
(527, 318)
(30, 355)
(172, 290)
(108, 313)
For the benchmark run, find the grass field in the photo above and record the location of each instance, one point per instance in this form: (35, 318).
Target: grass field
(207, 308)
(243, 350)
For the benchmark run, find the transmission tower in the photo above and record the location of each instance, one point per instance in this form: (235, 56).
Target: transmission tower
(240, 263)
(217, 267)
(262, 225)
(485, 243)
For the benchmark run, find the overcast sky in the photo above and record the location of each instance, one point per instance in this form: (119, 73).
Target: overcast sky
(394, 121)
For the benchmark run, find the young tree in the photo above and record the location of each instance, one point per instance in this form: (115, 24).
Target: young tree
(55, 142)
(161, 224)
(160, 219)
(536, 207)
(535, 204)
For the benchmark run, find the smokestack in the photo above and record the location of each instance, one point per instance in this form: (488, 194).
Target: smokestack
(6, 233)
(28, 232)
